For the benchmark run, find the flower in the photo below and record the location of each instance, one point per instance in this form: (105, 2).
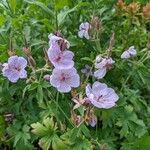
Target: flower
(101, 96)
(64, 79)
(84, 29)
(131, 52)
(15, 68)
(60, 59)
(87, 70)
(57, 41)
(102, 64)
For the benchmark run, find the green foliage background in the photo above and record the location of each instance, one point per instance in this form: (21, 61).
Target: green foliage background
(35, 105)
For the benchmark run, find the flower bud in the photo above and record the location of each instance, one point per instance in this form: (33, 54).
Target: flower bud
(46, 77)
(96, 23)
(11, 53)
(27, 51)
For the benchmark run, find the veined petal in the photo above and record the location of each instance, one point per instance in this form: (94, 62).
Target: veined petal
(100, 73)
(64, 88)
(81, 33)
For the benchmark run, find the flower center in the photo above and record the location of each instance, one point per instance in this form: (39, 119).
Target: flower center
(58, 58)
(99, 98)
(64, 77)
(83, 29)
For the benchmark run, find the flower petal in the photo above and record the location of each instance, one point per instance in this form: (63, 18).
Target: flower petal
(86, 35)
(23, 74)
(64, 88)
(100, 73)
(74, 81)
(81, 33)
(22, 62)
(88, 90)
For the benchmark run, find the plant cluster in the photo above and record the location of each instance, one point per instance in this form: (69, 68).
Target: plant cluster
(74, 75)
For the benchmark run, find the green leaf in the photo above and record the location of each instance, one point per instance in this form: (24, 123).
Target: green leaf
(47, 133)
(2, 126)
(60, 4)
(22, 135)
(2, 20)
(62, 15)
(13, 5)
(39, 94)
(144, 143)
(87, 59)
(41, 5)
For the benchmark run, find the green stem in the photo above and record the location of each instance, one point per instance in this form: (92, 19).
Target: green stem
(56, 21)
(60, 109)
(57, 99)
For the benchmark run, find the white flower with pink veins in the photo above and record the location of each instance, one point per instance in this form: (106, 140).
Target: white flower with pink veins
(101, 96)
(131, 52)
(65, 79)
(84, 30)
(102, 64)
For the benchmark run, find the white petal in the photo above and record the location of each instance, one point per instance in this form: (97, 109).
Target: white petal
(64, 88)
(86, 35)
(100, 73)
(99, 89)
(74, 81)
(23, 74)
(86, 26)
(81, 33)
(54, 81)
(132, 51)
(22, 62)
(88, 90)
(111, 96)
(125, 55)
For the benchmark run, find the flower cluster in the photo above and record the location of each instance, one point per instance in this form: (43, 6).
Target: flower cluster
(15, 68)
(64, 75)
(99, 95)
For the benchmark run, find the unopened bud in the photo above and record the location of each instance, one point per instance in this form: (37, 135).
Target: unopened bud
(46, 77)
(58, 33)
(11, 53)
(27, 51)
(96, 23)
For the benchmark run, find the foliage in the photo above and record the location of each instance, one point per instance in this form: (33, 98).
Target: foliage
(34, 115)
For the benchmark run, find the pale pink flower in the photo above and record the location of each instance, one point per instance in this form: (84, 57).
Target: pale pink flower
(101, 96)
(84, 30)
(60, 59)
(15, 68)
(131, 52)
(65, 79)
(55, 40)
(102, 64)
